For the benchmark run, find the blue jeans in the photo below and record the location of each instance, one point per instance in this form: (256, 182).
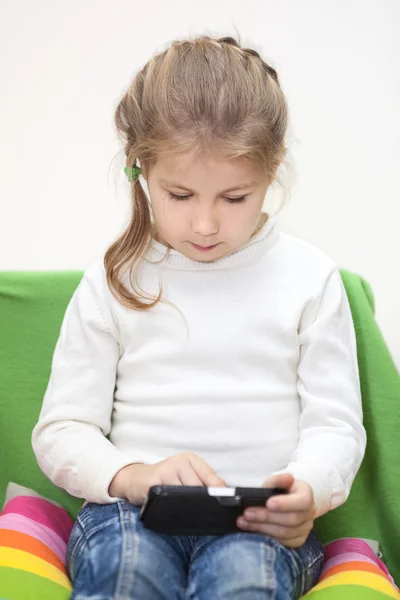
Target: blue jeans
(111, 555)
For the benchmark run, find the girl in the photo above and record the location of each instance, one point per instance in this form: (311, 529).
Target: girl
(205, 348)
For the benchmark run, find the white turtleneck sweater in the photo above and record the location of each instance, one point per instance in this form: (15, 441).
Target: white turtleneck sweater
(257, 373)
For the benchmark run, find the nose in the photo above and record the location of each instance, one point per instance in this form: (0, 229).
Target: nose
(204, 221)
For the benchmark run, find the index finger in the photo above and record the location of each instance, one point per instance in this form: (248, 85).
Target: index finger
(286, 503)
(207, 475)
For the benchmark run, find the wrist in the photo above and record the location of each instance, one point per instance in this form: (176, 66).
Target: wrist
(118, 487)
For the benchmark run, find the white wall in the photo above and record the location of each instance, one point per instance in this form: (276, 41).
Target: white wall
(65, 64)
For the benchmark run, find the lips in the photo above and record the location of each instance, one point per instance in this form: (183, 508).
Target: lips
(204, 248)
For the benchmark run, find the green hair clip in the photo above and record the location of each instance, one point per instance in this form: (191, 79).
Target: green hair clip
(133, 172)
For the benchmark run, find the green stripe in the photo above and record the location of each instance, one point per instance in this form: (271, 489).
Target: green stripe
(347, 592)
(16, 584)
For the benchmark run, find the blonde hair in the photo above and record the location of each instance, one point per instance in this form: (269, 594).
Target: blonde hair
(199, 94)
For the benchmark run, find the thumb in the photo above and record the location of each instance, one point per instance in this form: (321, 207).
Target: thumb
(283, 480)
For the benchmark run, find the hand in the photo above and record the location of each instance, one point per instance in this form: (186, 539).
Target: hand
(287, 518)
(133, 481)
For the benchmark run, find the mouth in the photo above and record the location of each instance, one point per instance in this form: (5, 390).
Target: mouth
(204, 248)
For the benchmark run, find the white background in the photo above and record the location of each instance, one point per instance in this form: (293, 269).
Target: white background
(63, 194)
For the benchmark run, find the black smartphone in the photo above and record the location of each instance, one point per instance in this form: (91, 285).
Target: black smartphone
(200, 510)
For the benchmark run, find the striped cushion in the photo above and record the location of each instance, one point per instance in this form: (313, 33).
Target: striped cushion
(34, 533)
(33, 539)
(353, 572)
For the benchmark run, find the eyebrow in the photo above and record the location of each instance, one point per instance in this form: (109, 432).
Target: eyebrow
(241, 186)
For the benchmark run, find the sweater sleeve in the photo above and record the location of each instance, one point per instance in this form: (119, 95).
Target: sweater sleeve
(332, 438)
(69, 439)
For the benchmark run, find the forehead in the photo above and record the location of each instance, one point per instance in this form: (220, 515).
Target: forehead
(206, 167)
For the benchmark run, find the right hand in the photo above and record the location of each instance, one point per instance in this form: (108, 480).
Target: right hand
(133, 481)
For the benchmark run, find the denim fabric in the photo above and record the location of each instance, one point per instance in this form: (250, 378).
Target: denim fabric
(111, 555)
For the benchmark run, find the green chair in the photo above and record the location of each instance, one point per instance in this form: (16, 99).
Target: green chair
(32, 306)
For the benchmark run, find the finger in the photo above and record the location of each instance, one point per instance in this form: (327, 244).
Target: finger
(293, 543)
(262, 515)
(295, 502)
(188, 476)
(205, 473)
(283, 480)
(167, 472)
(276, 531)
(172, 478)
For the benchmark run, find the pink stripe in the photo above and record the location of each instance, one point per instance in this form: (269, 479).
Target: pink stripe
(43, 512)
(342, 559)
(35, 530)
(349, 545)
(386, 571)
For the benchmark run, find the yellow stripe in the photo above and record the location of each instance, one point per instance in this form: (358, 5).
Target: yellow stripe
(362, 578)
(19, 559)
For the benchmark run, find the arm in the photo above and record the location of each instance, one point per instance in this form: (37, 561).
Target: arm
(69, 439)
(332, 438)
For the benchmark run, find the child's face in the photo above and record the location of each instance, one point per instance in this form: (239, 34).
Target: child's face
(206, 217)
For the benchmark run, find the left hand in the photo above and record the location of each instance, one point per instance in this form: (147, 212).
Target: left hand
(287, 518)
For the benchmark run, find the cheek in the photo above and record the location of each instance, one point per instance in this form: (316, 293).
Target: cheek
(240, 219)
(171, 217)
(163, 210)
(177, 214)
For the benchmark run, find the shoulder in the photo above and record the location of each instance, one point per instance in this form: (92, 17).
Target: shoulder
(306, 267)
(304, 257)
(95, 290)
(94, 282)
(313, 277)
(95, 271)
(302, 253)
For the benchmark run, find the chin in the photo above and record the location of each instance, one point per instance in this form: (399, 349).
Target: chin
(205, 259)
(208, 257)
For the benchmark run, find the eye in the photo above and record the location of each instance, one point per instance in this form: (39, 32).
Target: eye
(236, 200)
(176, 197)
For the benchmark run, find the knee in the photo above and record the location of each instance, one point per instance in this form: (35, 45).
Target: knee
(234, 566)
(116, 557)
(96, 551)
